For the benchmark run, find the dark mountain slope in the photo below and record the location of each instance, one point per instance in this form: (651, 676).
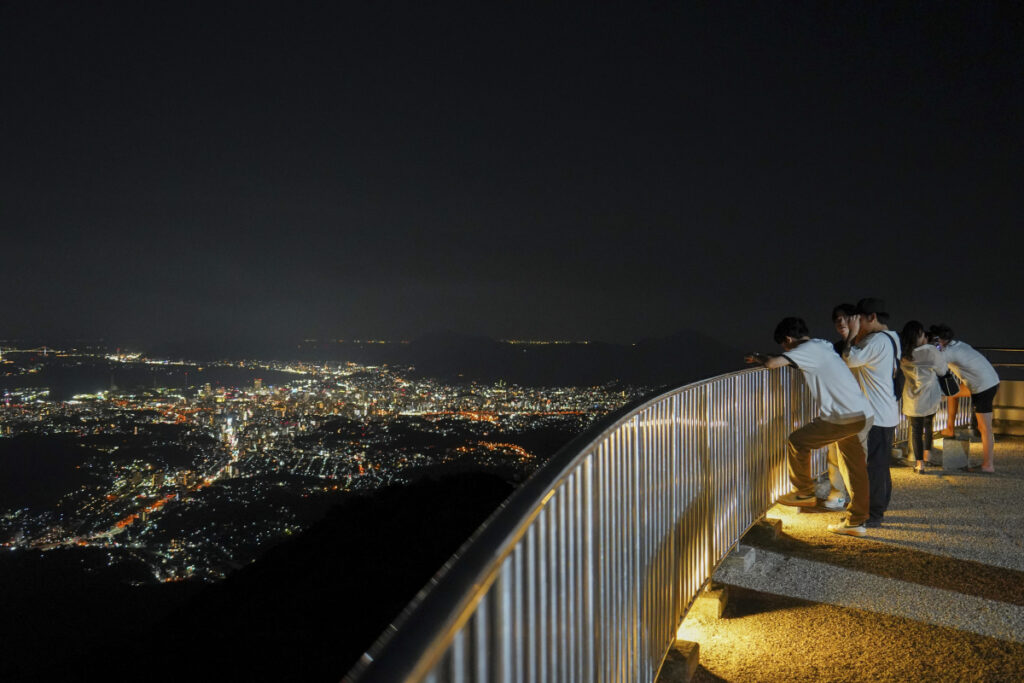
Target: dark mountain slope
(310, 607)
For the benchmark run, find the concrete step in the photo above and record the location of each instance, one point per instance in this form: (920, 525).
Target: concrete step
(1008, 427)
(950, 453)
(1012, 413)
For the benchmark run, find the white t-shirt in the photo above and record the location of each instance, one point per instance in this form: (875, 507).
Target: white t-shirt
(921, 393)
(830, 382)
(872, 363)
(970, 366)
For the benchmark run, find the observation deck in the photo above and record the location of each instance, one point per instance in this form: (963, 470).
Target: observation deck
(587, 572)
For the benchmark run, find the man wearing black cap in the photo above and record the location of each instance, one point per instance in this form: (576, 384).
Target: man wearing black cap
(872, 354)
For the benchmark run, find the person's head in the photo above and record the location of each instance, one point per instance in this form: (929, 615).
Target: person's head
(941, 333)
(872, 312)
(841, 316)
(911, 337)
(789, 331)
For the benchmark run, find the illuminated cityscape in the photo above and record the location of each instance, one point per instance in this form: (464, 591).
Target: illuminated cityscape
(298, 298)
(191, 477)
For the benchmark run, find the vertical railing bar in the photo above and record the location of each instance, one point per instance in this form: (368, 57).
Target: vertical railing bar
(601, 653)
(587, 568)
(532, 598)
(565, 623)
(458, 658)
(543, 596)
(480, 660)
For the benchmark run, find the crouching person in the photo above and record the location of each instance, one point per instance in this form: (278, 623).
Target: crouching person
(844, 420)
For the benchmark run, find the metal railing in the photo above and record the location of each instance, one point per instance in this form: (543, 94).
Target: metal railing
(1008, 361)
(585, 573)
(963, 418)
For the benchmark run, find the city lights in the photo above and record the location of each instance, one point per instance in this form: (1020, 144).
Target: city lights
(194, 480)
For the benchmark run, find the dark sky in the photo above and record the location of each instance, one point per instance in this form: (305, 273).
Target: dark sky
(255, 170)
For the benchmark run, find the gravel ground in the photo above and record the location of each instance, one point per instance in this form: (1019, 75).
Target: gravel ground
(764, 637)
(936, 594)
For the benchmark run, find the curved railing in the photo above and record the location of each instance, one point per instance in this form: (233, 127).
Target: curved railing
(585, 573)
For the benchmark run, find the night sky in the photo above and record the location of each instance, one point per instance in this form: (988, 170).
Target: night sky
(256, 170)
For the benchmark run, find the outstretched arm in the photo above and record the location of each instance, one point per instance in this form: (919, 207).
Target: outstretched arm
(767, 360)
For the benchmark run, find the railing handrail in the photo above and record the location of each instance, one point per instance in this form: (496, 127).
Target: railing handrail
(412, 648)
(429, 617)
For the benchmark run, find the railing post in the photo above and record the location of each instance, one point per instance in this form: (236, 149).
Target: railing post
(707, 487)
(587, 571)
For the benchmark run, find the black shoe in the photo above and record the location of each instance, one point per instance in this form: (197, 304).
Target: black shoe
(873, 523)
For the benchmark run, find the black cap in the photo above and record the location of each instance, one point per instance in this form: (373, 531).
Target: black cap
(872, 305)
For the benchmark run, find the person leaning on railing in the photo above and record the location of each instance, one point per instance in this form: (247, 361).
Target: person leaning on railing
(982, 381)
(844, 420)
(922, 364)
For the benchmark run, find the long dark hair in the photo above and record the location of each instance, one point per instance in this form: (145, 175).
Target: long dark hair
(908, 337)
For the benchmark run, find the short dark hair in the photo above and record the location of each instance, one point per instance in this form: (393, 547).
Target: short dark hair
(941, 331)
(843, 309)
(870, 306)
(791, 327)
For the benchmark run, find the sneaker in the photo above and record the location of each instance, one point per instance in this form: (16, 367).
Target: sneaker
(796, 500)
(837, 503)
(873, 523)
(844, 528)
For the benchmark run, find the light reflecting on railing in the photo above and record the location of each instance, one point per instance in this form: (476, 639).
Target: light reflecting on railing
(586, 572)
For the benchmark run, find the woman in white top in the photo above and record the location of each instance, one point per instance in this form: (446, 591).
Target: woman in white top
(921, 363)
(978, 375)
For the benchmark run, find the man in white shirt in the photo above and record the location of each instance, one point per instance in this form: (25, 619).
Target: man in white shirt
(872, 354)
(978, 375)
(844, 419)
(840, 314)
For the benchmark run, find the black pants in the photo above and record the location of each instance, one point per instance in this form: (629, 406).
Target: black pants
(921, 434)
(879, 480)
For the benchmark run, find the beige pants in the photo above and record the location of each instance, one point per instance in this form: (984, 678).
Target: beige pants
(851, 439)
(835, 474)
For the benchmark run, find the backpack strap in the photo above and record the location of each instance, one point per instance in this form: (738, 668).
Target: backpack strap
(895, 351)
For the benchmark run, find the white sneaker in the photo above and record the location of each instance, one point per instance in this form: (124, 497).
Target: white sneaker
(844, 528)
(837, 503)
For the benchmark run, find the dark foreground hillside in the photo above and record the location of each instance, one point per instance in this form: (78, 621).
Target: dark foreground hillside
(310, 607)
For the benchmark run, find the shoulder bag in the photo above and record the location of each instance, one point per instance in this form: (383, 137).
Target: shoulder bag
(948, 384)
(898, 378)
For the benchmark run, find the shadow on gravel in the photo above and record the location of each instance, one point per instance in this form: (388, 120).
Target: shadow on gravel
(884, 558)
(702, 675)
(771, 638)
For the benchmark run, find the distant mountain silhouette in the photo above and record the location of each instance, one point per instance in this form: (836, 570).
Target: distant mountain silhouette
(683, 357)
(686, 356)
